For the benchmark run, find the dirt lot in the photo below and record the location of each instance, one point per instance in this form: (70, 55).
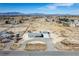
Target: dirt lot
(58, 32)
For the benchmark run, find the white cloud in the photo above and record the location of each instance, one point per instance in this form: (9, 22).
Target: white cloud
(48, 7)
(63, 4)
(74, 12)
(55, 6)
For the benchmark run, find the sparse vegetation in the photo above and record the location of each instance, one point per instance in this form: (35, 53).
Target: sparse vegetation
(65, 24)
(62, 30)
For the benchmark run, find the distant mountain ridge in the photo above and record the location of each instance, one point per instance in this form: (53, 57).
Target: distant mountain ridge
(32, 14)
(11, 13)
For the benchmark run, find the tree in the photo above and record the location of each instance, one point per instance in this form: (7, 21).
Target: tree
(7, 22)
(20, 21)
(64, 19)
(72, 20)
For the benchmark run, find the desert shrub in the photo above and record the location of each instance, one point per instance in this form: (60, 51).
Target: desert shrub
(7, 22)
(20, 21)
(64, 19)
(66, 24)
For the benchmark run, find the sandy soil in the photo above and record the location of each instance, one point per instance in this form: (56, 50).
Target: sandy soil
(58, 32)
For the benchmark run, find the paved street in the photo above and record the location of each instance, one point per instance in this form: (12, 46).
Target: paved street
(48, 53)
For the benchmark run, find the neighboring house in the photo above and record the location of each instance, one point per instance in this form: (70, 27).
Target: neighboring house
(38, 34)
(74, 23)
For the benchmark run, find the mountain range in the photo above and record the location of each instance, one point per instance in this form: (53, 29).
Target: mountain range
(31, 14)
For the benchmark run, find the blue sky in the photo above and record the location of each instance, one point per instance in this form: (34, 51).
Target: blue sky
(47, 8)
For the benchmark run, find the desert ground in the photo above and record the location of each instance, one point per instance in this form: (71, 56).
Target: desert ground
(58, 33)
